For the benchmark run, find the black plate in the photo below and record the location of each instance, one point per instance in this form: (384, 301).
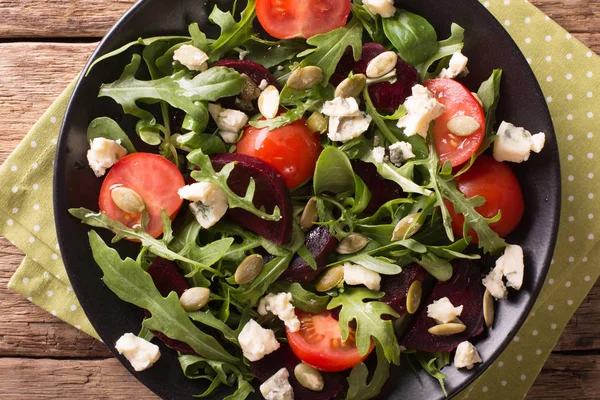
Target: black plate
(487, 45)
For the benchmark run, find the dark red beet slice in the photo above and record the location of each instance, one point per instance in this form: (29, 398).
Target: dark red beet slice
(396, 287)
(284, 357)
(464, 288)
(382, 190)
(271, 191)
(253, 69)
(321, 244)
(167, 278)
(343, 68)
(387, 96)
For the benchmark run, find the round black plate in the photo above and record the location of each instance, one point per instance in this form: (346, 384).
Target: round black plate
(487, 45)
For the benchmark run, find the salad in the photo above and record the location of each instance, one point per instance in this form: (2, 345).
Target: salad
(318, 201)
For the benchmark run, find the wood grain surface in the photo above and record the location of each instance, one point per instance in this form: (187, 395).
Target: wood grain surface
(43, 46)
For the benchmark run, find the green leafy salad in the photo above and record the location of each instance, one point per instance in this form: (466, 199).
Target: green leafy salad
(317, 203)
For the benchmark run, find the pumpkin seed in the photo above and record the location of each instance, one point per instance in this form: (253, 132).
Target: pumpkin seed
(316, 123)
(248, 269)
(127, 200)
(413, 297)
(351, 87)
(382, 64)
(309, 377)
(488, 309)
(268, 102)
(477, 98)
(330, 278)
(352, 243)
(249, 89)
(194, 299)
(463, 125)
(447, 329)
(309, 215)
(305, 77)
(406, 227)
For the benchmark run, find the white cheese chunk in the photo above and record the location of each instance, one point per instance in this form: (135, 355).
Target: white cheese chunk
(280, 304)
(493, 282)
(341, 107)
(422, 108)
(400, 152)
(385, 8)
(263, 84)
(227, 120)
(139, 352)
(355, 274)
(210, 202)
(103, 154)
(278, 387)
(229, 137)
(191, 57)
(466, 356)
(456, 67)
(512, 266)
(256, 341)
(443, 311)
(378, 154)
(342, 129)
(515, 144)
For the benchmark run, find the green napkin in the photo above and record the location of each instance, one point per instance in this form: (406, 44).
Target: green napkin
(568, 73)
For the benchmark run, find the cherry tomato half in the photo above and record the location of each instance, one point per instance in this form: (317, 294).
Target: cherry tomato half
(151, 176)
(319, 343)
(291, 150)
(498, 184)
(458, 101)
(287, 19)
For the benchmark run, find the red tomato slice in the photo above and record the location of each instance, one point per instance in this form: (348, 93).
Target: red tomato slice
(319, 343)
(287, 19)
(498, 184)
(291, 150)
(458, 101)
(154, 178)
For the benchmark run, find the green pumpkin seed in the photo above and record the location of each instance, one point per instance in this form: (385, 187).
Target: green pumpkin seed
(330, 278)
(488, 309)
(413, 297)
(447, 329)
(127, 200)
(305, 77)
(352, 243)
(316, 123)
(309, 377)
(352, 86)
(248, 269)
(194, 299)
(309, 215)
(406, 227)
(249, 89)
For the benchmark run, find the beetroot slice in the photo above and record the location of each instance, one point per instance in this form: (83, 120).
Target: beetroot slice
(343, 68)
(167, 279)
(271, 190)
(253, 69)
(464, 288)
(388, 96)
(285, 358)
(320, 243)
(382, 190)
(396, 287)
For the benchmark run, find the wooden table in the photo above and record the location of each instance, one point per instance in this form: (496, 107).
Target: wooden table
(43, 45)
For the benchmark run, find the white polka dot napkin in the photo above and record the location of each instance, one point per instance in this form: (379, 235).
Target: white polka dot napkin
(569, 75)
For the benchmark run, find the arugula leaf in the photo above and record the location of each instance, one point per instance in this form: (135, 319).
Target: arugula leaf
(167, 229)
(445, 48)
(292, 247)
(439, 268)
(198, 37)
(333, 172)
(208, 143)
(330, 48)
(368, 321)
(157, 247)
(178, 90)
(301, 298)
(233, 33)
(272, 53)
(378, 119)
(251, 292)
(107, 128)
(371, 22)
(378, 265)
(489, 93)
(207, 174)
(432, 364)
(208, 319)
(134, 285)
(358, 388)
(286, 118)
(402, 176)
(432, 170)
(412, 35)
